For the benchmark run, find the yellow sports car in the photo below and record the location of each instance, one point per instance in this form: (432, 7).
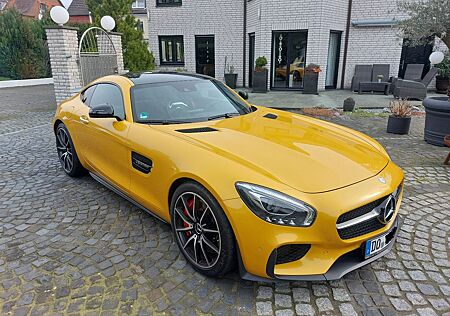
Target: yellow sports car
(281, 195)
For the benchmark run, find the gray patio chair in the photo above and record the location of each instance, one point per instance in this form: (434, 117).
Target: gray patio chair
(409, 89)
(362, 73)
(413, 72)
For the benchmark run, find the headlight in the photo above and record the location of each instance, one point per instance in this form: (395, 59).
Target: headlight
(275, 207)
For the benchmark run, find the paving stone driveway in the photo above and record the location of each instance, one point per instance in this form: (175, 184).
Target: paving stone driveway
(72, 246)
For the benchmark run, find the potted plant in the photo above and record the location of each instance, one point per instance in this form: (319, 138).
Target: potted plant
(311, 79)
(260, 75)
(400, 119)
(443, 79)
(229, 75)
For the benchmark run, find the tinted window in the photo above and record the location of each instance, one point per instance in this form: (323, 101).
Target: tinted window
(110, 94)
(87, 95)
(171, 50)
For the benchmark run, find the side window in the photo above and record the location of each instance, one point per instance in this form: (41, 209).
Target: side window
(86, 95)
(110, 94)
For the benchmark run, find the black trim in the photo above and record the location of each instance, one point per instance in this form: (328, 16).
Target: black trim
(345, 264)
(123, 195)
(197, 130)
(170, 4)
(141, 163)
(346, 40)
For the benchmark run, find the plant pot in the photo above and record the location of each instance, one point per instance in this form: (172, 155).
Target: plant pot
(398, 125)
(310, 82)
(260, 80)
(231, 80)
(442, 84)
(437, 120)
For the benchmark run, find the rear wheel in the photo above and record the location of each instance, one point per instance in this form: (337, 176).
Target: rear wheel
(66, 152)
(202, 230)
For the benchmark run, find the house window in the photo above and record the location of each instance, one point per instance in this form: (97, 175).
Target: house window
(171, 50)
(42, 10)
(168, 2)
(140, 26)
(138, 4)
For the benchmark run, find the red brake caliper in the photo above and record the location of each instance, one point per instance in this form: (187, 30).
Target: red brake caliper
(185, 211)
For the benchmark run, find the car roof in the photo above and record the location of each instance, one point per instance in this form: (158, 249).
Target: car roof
(158, 77)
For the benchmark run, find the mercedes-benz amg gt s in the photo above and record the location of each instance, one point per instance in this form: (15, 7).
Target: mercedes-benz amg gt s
(283, 196)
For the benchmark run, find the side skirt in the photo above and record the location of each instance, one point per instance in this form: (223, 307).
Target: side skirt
(123, 195)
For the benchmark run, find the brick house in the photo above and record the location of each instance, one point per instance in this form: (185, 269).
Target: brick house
(78, 11)
(34, 9)
(197, 35)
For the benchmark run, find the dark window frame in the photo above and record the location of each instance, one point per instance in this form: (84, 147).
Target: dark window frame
(170, 4)
(174, 50)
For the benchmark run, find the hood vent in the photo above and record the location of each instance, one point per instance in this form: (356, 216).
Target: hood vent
(197, 130)
(271, 116)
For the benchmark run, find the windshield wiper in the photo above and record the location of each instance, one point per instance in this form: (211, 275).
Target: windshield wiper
(224, 115)
(164, 122)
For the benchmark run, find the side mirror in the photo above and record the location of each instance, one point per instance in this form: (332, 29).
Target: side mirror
(104, 110)
(243, 95)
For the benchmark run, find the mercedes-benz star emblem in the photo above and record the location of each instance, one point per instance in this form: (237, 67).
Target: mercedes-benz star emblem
(387, 212)
(382, 180)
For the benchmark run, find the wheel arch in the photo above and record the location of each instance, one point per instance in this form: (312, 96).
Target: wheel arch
(55, 125)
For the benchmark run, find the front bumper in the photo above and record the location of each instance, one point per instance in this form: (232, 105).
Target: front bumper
(346, 263)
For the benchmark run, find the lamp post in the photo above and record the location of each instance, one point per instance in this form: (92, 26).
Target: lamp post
(108, 23)
(59, 15)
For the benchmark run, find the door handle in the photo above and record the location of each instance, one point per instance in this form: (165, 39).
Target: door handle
(84, 119)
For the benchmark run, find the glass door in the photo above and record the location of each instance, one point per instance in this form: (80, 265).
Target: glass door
(334, 49)
(288, 59)
(204, 55)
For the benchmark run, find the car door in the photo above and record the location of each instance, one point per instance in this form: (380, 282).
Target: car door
(104, 140)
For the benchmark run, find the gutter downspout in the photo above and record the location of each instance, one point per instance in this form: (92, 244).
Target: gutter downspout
(244, 65)
(347, 35)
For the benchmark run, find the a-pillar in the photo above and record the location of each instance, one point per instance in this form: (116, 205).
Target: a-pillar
(63, 50)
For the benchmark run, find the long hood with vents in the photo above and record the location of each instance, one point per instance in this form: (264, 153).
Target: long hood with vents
(304, 153)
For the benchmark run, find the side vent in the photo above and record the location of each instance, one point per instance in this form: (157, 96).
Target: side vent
(197, 130)
(271, 116)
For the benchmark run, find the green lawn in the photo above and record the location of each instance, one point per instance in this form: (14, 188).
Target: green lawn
(4, 78)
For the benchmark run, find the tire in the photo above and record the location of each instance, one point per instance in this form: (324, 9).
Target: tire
(67, 154)
(193, 230)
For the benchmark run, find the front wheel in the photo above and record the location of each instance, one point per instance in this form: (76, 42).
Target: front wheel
(202, 230)
(66, 152)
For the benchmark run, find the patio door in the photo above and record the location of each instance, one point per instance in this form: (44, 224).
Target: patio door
(204, 55)
(414, 55)
(334, 49)
(288, 59)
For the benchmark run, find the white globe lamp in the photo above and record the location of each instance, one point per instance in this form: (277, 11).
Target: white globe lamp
(59, 15)
(436, 58)
(108, 23)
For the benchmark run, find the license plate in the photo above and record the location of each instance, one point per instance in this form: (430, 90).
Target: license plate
(375, 245)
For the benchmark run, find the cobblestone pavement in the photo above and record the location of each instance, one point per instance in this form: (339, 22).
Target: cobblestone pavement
(70, 246)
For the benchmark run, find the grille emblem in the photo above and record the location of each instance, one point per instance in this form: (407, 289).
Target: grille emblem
(387, 212)
(382, 180)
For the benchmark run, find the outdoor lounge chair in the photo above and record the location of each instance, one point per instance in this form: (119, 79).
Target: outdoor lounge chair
(362, 73)
(409, 89)
(413, 72)
(379, 81)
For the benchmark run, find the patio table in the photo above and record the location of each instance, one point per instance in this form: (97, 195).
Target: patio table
(374, 86)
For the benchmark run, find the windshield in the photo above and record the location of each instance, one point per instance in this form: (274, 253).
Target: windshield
(184, 101)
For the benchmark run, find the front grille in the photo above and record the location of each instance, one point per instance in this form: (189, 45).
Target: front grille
(360, 229)
(367, 226)
(289, 253)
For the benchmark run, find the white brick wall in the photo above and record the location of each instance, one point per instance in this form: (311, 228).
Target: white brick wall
(223, 19)
(266, 16)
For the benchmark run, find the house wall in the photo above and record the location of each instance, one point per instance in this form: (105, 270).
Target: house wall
(373, 45)
(223, 19)
(144, 19)
(80, 19)
(266, 16)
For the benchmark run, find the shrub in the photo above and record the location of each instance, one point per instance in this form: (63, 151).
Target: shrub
(261, 62)
(22, 47)
(444, 67)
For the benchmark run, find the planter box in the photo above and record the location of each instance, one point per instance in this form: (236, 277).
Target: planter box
(437, 120)
(231, 80)
(442, 84)
(310, 82)
(398, 125)
(260, 80)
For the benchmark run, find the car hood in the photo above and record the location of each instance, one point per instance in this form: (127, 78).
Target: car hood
(306, 154)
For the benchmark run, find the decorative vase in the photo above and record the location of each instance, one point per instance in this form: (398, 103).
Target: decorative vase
(442, 84)
(437, 120)
(231, 80)
(260, 80)
(310, 82)
(398, 125)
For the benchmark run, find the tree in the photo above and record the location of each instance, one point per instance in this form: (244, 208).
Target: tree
(135, 51)
(427, 20)
(21, 46)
